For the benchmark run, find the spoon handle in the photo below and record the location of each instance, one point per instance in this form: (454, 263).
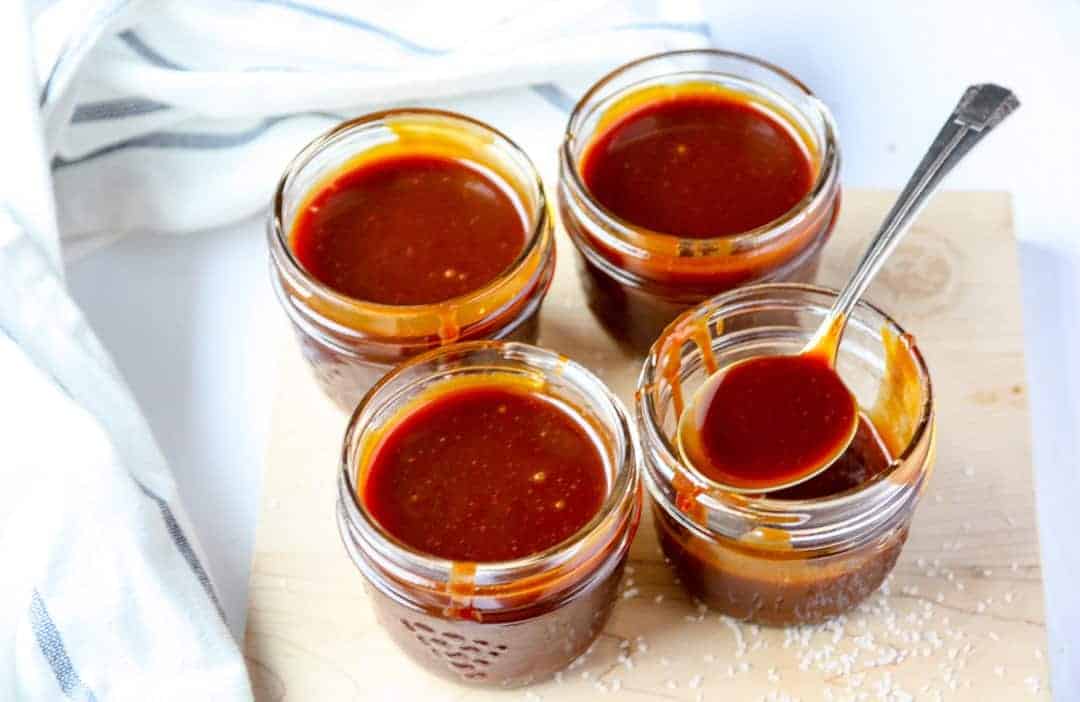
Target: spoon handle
(981, 108)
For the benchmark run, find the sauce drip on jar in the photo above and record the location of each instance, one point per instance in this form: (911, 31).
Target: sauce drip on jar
(485, 473)
(697, 166)
(409, 230)
(768, 421)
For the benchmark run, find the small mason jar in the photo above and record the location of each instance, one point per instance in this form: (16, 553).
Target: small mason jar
(504, 623)
(351, 343)
(637, 280)
(785, 561)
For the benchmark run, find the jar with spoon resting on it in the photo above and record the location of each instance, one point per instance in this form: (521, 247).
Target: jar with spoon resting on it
(809, 552)
(686, 174)
(402, 231)
(488, 494)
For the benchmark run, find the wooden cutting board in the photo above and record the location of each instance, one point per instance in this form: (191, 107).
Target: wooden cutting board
(961, 618)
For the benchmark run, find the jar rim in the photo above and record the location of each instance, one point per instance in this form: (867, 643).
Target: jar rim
(623, 486)
(629, 234)
(879, 491)
(539, 235)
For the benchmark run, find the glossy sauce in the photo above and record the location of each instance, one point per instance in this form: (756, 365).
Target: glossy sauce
(767, 421)
(865, 459)
(485, 473)
(785, 591)
(698, 166)
(409, 230)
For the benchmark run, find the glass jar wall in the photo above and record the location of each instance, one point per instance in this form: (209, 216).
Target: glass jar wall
(503, 623)
(637, 280)
(350, 343)
(759, 557)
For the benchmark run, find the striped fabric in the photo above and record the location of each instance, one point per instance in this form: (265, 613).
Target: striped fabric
(173, 116)
(194, 108)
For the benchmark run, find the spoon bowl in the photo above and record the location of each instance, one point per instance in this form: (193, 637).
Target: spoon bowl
(735, 433)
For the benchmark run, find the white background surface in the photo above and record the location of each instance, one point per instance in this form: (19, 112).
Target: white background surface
(188, 319)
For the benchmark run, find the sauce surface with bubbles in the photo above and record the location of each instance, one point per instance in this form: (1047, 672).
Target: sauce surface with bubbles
(698, 166)
(410, 229)
(485, 473)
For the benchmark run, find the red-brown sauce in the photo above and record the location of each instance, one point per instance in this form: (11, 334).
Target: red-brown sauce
(409, 230)
(768, 421)
(781, 590)
(698, 166)
(865, 459)
(485, 473)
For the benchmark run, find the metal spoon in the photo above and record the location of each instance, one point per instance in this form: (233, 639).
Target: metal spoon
(981, 108)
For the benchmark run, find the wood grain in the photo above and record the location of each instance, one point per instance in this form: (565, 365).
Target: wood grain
(961, 618)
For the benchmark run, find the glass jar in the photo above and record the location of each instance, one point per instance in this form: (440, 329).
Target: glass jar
(636, 280)
(351, 343)
(785, 561)
(506, 623)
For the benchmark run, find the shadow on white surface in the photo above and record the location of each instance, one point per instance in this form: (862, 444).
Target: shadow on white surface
(1051, 294)
(181, 318)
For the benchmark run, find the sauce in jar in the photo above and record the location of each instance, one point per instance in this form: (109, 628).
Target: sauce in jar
(402, 231)
(489, 493)
(789, 590)
(687, 174)
(698, 166)
(866, 458)
(409, 230)
(768, 421)
(484, 473)
(813, 550)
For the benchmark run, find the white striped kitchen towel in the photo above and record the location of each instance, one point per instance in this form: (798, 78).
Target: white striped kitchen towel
(103, 593)
(184, 119)
(173, 116)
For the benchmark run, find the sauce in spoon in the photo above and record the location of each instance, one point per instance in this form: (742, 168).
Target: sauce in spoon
(768, 422)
